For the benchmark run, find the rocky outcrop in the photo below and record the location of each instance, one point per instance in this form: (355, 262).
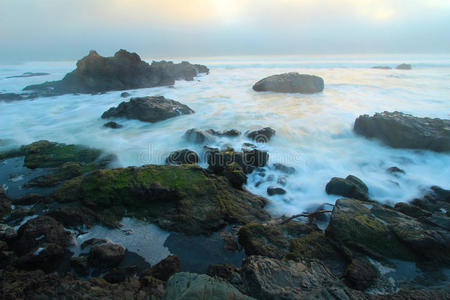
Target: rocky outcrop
(182, 198)
(181, 157)
(148, 109)
(123, 71)
(400, 130)
(185, 286)
(404, 67)
(351, 187)
(261, 135)
(290, 83)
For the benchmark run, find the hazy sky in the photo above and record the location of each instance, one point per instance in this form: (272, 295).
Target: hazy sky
(68, 29)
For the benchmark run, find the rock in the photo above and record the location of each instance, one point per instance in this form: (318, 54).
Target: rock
(400, 130)
(166, 268)
(39, 231)
(29, 199)
(351, 187)
(271, 240)
(434, 200)
(235, 174)
(64, 172)
(382, 67)
(5, 204)
(182, 198)
(273, 190)
(283, 168)
(29, 74)
(395, 171)
(123, 71)
(268, 278)
(247, 159)
(228, 133)
(120, 274)
(226, 272)
(412, 210)
(261, 135)
(183, 286)
(148, 109)
(93, 242)
(80, 265)
(184, 156)
(8, 97)
(361, 274)
(404, 67)
(106, 255)
(125, 95)
(18, 214)
(112, 125)
(290, 83)
(48, 258)
(7, 233)
(152, 286)
(198, 136)
(73, 216)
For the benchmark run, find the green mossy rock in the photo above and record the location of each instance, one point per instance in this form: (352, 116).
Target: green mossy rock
(180, 198)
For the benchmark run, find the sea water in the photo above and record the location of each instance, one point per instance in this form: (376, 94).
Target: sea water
(313, 132)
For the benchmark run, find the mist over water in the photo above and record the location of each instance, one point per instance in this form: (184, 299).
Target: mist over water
(314, 132)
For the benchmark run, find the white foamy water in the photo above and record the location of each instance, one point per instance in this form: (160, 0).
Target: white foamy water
(314, 132)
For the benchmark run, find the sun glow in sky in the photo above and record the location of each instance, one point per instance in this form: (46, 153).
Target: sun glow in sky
(60, 29)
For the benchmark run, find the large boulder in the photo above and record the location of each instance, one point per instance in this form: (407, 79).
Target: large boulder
(184, 286)
(290, 83)
(106, 255)
(261, 135)
(351, 187)
(182, 198)
(148, 109)
(400, 130)
(123, 71)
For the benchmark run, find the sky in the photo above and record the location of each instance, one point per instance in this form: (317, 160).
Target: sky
(68, 29)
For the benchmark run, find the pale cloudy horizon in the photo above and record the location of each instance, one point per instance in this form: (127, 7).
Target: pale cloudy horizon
(66, 29)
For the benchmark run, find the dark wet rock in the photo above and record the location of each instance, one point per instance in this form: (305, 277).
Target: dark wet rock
(8, 97)
(29, 74)
(148, 109)
(382, 67)
(39, 231)
(112, 125)
(125, 95)
(184, 286)
(29, 199)
(271, 240)
(165, 268)
(120, 274)
(235, 174)
(387, 232)
(48, 257)
(400, 130)
(404, 67)
(182, 198)
(18, 214)
(283, 168)
(7, 233)
(434, 200)
(361, 274)
(261, 135)
(247, 159)
(273, 190)
(5, 204)
(290, 83)
(439, 220)
(395, 170)
(226, 271)
(74, 216)
(228, 133)
(184, 156)
(249, 145)
(123, 71)
(80, 265)
(268, 278)
(412, 210)
(198, 136)
(351, 187)
(93, 242)
(106, 255)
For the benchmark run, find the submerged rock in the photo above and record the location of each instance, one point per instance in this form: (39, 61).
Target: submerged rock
(404, 67)
(273, 190)
(198, 136)
(261, 135)
(179, 198)
(29, 74)
(123, 71)
(382, 67)
(400, 130)
(290, 83)
(184, 156)
(112, 125)
(148, 109)
(351, 187)
(125, 95)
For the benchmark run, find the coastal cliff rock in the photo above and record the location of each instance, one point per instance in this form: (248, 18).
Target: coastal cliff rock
(290, 83)
(124, 70)
(400, 130)
(148, 109)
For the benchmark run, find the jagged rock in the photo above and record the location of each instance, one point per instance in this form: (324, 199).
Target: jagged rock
(184, 286)
(412, 210)
(184, 156)
(400, 130)
(123, 71)
(290, 83)
(404, 67)
(112, 125)
(434, 200)
(273, 190)
(106, 255)
(351, 187)
(261, 135)
(148, 109)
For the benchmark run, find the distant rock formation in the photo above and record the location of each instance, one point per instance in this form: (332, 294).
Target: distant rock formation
(401, 130)
(382, 67)
(290, 83)
(124, 70)
(404, 67)
(148, 109)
